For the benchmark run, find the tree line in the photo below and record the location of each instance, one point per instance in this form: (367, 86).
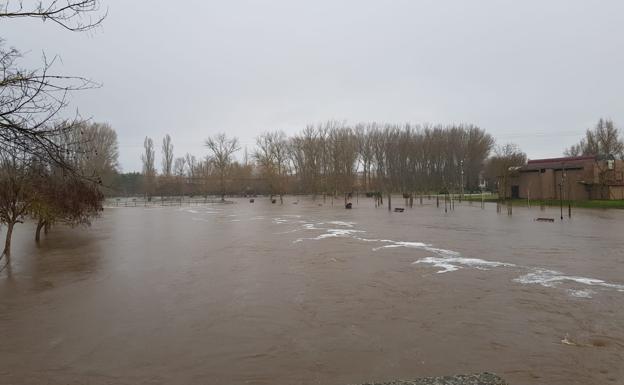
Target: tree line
(329, 158)
(333, 158)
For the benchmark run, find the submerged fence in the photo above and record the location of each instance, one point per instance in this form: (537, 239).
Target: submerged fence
(162, 201)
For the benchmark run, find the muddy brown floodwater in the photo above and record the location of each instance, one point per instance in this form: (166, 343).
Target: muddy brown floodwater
(307, 294)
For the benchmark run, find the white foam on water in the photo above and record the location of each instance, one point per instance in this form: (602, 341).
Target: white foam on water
(341, 223)
(449, 260)
(456, 263)
(201, 219)
(331, 233)
(374, 240)
(438, 262)
(587, 293)
(311, 226)
(552, 278)
(192, 211)
(452, 254)
(396, 244)
(419, 245)
(288, 232)
(339, 233)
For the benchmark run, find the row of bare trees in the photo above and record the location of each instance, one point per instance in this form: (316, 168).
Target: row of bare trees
(330, 158)
(334, 157)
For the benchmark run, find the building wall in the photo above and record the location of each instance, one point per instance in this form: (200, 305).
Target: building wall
(545, 185)
(530, 184)
(616, 192)
(572, 188)
(612, 185)
(582, 182)
(538, 184)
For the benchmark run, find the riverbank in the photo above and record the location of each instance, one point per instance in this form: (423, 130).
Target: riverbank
(589, 204)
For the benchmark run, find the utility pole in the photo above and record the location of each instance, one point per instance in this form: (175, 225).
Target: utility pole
(561, 198)
(569, 195)
(482, 187)
(563, 177)
(461, 194)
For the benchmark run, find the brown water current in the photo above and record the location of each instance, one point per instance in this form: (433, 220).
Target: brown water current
(307, 294)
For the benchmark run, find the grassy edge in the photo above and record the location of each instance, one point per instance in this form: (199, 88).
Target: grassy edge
(589, 204)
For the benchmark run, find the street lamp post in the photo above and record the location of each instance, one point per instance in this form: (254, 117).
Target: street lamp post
(461, 195)
(561, 198)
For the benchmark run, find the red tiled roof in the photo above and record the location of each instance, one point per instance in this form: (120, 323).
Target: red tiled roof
(562, 160)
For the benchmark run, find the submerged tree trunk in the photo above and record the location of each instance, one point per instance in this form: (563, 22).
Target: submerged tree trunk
(40, 225)
(7, 243)
(222, 186)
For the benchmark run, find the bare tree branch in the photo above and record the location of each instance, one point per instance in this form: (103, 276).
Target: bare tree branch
(73, 15)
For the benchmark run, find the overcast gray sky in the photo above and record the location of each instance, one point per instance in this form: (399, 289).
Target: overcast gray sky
(532, 72)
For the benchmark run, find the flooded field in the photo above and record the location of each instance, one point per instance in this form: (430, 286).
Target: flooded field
(307, 294)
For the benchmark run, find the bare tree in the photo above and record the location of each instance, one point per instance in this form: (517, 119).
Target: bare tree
(280, 152)
(265, 159)
(167, 156)
(273, 156)
(149, 168)
(191, 163)
(222, 149)
(94, 150)
(179, 166)
(501, 164)
(62, 198)
(305, 153)
(29, 103)
(203, 175)
(478, 147)
(73, 15)
(16, 191)
(30, 100)
(365, 151)
(603, 139)
(179, 170)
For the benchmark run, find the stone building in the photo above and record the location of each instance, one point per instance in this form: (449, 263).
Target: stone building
(576, 178)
